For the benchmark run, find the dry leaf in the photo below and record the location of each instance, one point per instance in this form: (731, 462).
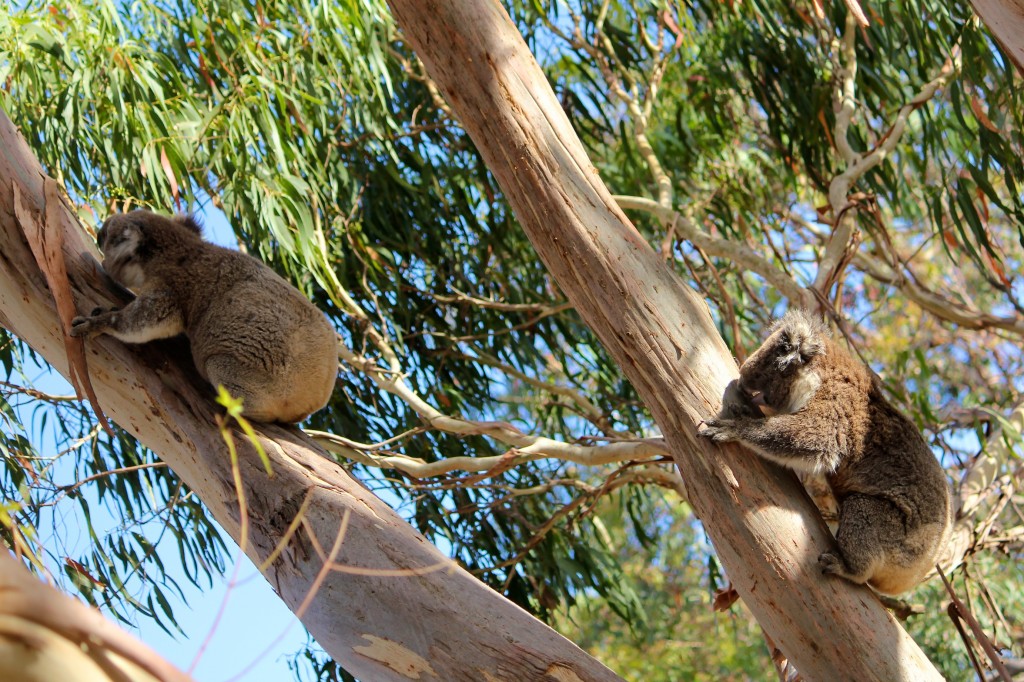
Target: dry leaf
(165, 163)
(980, 114)
(725, 598)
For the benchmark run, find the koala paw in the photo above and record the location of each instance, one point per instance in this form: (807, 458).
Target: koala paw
(93, 324)
(830, 563)
(718, 430)
(83, 326)
(79, 326)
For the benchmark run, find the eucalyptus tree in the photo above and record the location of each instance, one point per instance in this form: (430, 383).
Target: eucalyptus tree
(771, 155)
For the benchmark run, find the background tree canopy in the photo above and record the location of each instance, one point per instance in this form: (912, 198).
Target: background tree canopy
(472, 396)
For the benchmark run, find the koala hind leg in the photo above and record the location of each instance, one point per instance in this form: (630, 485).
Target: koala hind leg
(225, 370)
(869, 528)
(264, 397)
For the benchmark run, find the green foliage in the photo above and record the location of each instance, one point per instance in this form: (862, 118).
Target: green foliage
(300, 130)
(317, 132)
(681, 636)
(102, 512)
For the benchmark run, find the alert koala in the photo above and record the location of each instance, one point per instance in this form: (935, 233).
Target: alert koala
(249, 330)
(827, 414)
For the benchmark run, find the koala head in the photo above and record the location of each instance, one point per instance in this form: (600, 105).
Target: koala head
(781, 373)
(129, 241)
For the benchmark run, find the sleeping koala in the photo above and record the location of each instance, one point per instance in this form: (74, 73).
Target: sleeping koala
(828, 415)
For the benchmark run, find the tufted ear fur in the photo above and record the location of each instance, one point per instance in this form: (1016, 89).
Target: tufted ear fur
(801, 339)
(119, 232)
(188, 220)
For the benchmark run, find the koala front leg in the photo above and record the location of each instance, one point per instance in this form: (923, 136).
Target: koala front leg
(737, 403)
(154, 315)
(788, 439)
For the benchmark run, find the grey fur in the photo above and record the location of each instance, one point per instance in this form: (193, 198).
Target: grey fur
(828, 415)
(249, 329)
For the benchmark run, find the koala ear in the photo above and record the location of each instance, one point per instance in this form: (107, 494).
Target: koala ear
(801, 339)
(131, 239)
(188, 220)
(119, 228)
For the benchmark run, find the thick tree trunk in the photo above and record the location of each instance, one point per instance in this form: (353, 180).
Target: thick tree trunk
(765, 530)
(390, 607)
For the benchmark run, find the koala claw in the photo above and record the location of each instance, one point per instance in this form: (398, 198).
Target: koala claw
(82, 326)
(79, 326)
(716, 429)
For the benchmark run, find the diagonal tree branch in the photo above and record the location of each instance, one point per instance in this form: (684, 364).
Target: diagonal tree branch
(840, 245)
(941, 307)
(1005, 18)
(723, 248)
(381, 624)
(46, 635)
(764, 529)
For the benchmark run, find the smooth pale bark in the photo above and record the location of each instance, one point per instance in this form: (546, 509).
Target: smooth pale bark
(395, 608)
(1005, 19)
(766, 532)
(46, 635)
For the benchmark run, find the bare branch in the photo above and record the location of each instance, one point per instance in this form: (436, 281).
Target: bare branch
(939, 306)
(539, 448)
(843, 103)
(540, 308)
(624, 87)
(38, 395)
(722, 248)
(839, 248)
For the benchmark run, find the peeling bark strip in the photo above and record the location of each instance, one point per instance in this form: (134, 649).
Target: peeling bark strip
(378, 613)
(764, 529)
(47, 247)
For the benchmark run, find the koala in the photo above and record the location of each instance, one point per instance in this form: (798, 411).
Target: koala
(249, 329)
(827, 415)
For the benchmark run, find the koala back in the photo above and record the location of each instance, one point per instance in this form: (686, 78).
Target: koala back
(894, 463)
(248, 328)
(260, 337)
